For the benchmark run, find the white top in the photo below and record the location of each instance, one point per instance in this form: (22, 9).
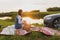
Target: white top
(19, 19)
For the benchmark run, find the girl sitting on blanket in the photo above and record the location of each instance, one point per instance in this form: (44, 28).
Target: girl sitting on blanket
(18, 22)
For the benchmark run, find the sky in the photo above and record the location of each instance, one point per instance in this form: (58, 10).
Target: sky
(27, 5)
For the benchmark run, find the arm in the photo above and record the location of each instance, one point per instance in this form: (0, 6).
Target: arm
(19, 20)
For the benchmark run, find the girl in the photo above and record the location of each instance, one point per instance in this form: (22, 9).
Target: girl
(26, 26)
(18, 22)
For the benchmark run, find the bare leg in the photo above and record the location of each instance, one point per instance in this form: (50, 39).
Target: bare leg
(17, 31)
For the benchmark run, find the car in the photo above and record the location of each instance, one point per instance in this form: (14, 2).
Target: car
(52, 20)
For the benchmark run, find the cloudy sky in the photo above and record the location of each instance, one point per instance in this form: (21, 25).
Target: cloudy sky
(27, 5)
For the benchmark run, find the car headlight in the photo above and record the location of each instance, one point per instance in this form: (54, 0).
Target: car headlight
(48, 18)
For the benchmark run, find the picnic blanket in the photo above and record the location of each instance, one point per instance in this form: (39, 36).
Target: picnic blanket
(10, 30)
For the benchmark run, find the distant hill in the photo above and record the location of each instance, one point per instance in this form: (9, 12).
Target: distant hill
(8, 14)
(34, 15)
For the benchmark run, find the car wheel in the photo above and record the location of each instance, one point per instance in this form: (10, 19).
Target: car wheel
(56, 23)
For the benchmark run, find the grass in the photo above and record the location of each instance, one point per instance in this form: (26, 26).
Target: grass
(31, 36)
(5, 23)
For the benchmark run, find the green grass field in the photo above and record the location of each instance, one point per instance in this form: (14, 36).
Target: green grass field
(5, 23)
(31, 36)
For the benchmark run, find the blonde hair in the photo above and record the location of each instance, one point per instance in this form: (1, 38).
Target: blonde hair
(26, 26)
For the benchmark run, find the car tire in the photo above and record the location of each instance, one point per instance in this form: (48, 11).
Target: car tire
(56, 23)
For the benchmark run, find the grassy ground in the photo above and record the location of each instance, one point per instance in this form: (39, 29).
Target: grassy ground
(5, 23)
(31, 36)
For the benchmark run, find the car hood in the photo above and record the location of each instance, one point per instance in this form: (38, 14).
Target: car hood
(52, 15)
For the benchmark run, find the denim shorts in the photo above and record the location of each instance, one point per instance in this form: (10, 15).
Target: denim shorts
(18, 26)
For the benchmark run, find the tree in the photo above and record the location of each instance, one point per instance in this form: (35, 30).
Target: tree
(54, 9)
(35, 11)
